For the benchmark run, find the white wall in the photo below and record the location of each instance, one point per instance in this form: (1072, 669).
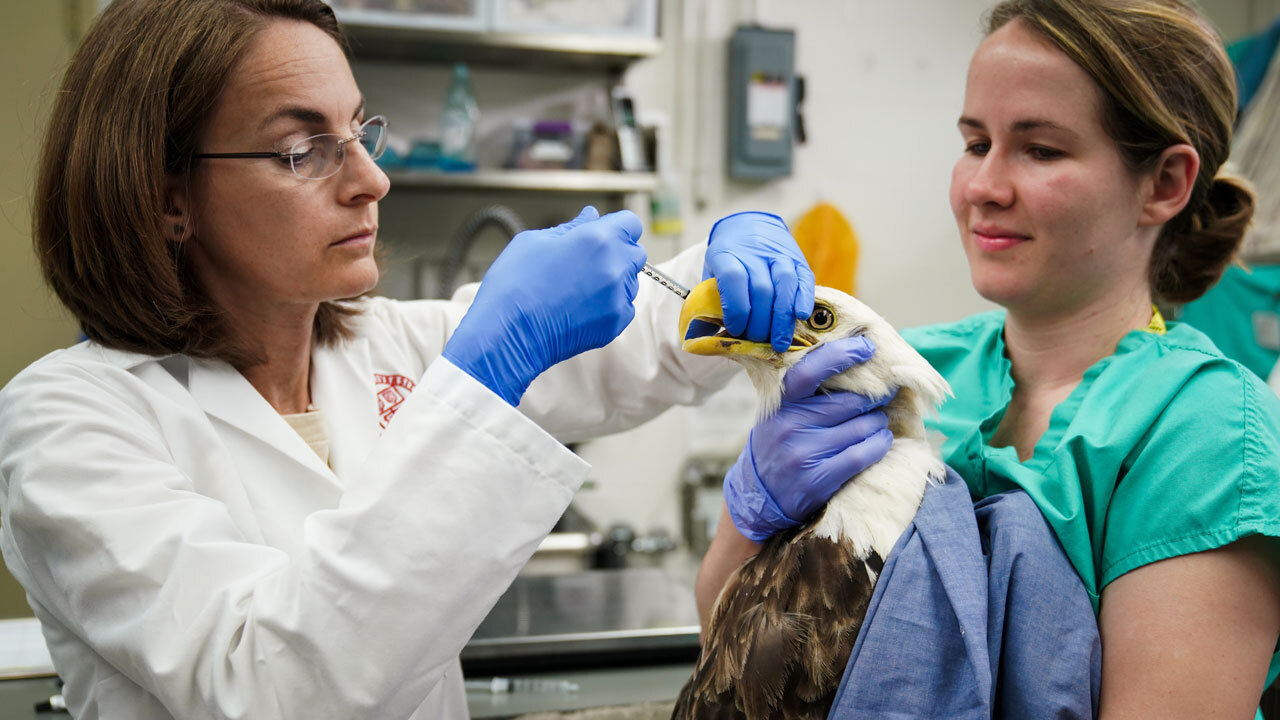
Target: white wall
(1237, 18)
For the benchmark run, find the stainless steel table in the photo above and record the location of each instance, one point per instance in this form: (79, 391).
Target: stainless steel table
(622, 616)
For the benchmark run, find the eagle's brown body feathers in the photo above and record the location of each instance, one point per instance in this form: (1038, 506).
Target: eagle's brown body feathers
(750, 663)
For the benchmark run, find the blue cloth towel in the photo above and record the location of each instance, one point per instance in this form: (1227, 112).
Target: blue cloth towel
(977, 614)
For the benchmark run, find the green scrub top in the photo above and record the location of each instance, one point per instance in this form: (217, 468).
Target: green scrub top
(1165, 448)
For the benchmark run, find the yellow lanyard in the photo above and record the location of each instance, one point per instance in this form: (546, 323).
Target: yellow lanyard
(1156, 325)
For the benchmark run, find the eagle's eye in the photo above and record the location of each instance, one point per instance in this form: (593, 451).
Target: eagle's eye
(822, 318)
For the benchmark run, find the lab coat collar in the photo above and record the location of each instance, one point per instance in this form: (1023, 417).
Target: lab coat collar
(225, 394)
(342, 386)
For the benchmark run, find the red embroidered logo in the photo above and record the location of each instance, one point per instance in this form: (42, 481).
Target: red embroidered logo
(393, 390)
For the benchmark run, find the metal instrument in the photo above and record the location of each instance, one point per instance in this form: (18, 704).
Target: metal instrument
(665, 280)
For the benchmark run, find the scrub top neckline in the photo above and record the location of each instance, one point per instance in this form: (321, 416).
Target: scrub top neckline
(1060, 417)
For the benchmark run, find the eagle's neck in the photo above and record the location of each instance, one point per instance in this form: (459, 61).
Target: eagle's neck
(871, 510)
(766, 378)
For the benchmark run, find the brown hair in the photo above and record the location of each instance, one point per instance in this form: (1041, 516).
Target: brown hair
(130, 110)
(1165, 79)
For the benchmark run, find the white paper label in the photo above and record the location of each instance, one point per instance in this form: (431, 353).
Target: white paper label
(767, 100)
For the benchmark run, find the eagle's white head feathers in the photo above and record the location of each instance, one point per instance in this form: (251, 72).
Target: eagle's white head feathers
(895, 365)
(873, 510)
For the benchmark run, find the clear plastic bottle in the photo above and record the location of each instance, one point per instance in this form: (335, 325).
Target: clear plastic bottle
(458, 123)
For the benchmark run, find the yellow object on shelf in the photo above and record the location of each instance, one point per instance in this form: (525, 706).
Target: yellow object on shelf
(830, 245)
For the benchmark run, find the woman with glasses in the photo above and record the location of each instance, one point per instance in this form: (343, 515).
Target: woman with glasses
(256, 491)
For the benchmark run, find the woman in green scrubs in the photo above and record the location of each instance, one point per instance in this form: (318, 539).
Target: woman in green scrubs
(1087, 192)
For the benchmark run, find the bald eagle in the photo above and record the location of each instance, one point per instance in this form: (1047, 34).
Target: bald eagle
(786, 620)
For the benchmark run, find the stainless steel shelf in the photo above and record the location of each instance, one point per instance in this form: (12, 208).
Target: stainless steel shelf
(603, 51)
(576, 181)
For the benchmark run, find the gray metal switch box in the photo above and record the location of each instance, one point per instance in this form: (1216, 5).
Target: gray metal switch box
(761, 102)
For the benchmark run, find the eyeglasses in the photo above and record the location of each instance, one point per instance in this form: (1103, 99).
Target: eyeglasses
(321, 156)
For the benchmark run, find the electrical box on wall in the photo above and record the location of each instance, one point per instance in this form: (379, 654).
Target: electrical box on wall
(761, 104)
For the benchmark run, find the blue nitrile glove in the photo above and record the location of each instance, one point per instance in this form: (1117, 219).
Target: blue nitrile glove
(550, 295)
(764, 281)
(796, 459)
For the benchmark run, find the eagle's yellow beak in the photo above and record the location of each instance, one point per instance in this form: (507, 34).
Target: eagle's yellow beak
(702, 327)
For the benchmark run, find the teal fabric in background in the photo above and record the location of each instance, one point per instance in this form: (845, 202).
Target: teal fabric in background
(1251, 57)
(1241, 315)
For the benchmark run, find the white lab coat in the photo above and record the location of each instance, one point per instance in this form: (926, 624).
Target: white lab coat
(189, 556)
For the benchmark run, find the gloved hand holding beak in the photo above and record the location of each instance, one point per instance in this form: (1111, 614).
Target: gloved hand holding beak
(764, 280)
